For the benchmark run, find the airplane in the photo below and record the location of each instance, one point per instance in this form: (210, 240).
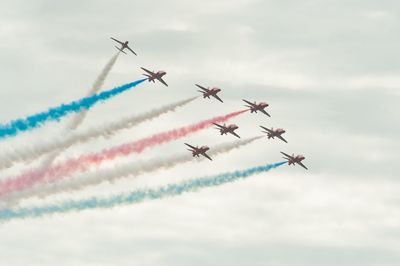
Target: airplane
(294, 159)
(196, 151)
(254, 107)
(155, 75)
(227, 129)
(272, 133)
(209, 92)
(123, 46)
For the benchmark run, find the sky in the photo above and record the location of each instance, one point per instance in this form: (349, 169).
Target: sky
(330, 72)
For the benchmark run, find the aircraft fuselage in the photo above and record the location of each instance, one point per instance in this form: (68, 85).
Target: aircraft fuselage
(275, 133)
(199, 151)
(157, 75)
(211, 92)
(258, 107)
(228, 129)
(296, 159)
(124, 45)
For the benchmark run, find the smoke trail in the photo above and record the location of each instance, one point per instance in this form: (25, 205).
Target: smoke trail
(136, 196)
(124, 171)
(56, 113)
(30, 152)
(78, 119)
(83, 162)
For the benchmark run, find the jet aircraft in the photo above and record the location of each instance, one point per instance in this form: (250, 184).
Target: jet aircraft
(294, 159)
(152, 76)
(196, 151)
(210, 92)
(124, 45)
(227, 129)
(254, 107)
(272, 133)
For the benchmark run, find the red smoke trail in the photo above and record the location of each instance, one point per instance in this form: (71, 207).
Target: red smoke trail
(83, 162)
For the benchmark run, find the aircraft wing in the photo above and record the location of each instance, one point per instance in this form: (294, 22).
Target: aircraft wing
(280, 137)
(268, 130)
(131, 50)
(264, 112)
(219, 126)
(302, 165)
(233, 133)
(216, 97)
(287, 155)
(205, 155)
(252, 104)
(162, 81)
(148, 71)
(117, 40)
(202, 88)
(194, 148)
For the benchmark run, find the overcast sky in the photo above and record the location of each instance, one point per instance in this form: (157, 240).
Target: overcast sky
(329, 70)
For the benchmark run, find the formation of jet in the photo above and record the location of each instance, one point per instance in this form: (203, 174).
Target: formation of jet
(124, 45)
(294, 159)
(254, 107)
(272, 133)
(196, 151)
(152, 76)
(210, 92)
(224, 130)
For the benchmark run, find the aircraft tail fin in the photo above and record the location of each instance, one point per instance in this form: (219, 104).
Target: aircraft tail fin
(149, 78)
(119, 49)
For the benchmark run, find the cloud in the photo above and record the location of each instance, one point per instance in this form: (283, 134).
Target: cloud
(329, 71)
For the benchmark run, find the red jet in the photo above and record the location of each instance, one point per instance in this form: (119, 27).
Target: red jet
(152, 76)
(124, 45)
(295, 159)
(227, 129)
(210, 92)
(196, 151)
(254, 107)
(272, 133)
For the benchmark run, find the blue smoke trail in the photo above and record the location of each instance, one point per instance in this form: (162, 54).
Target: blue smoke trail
(55, 113)
(136, 196)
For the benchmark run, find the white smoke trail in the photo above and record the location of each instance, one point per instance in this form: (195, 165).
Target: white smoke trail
(132, 169)
(79, 117)
(57, 143)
